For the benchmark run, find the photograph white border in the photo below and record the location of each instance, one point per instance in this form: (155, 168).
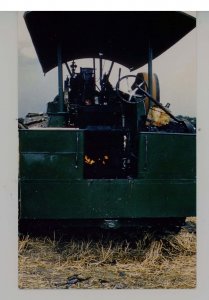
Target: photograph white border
(9, 173)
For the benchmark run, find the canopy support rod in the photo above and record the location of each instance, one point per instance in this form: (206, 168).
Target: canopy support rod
(60, 78)
(150, 57)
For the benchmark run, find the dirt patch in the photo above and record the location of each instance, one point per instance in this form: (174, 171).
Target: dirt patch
(145, 260)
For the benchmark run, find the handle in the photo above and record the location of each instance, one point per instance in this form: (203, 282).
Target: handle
(146, 153)
(77, 149)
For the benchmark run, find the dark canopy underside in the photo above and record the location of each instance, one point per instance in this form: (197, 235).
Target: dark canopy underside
(122, 37)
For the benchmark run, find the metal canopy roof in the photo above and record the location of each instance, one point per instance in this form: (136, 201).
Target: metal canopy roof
(122, 37)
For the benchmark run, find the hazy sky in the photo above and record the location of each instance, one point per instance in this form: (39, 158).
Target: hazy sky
(176, 70)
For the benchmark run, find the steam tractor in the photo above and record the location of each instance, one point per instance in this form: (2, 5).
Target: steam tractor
(109, 155)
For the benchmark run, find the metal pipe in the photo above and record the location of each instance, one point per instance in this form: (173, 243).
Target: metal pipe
(119, 75)
(60, 78)
(110, 70)
(68, 68)
(94, 68)
(100, 68)
(150, 56)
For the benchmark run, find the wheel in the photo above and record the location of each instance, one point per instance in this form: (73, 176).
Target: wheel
(130, 89)
(155, 88)
(126, 90)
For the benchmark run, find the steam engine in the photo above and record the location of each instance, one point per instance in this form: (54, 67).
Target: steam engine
(111, 121)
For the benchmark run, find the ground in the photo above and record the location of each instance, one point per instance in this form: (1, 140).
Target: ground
(143, 259)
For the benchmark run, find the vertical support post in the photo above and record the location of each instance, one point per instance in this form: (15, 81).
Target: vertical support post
(60, 78)
(150, 56)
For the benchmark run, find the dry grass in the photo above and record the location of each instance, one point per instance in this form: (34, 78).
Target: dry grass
(147, 261)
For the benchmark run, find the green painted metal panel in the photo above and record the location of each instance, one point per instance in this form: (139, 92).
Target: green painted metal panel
(167, 155)
(51, 166)
(51, 140)
(107, 199)
(52, 184)
(51, 154)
